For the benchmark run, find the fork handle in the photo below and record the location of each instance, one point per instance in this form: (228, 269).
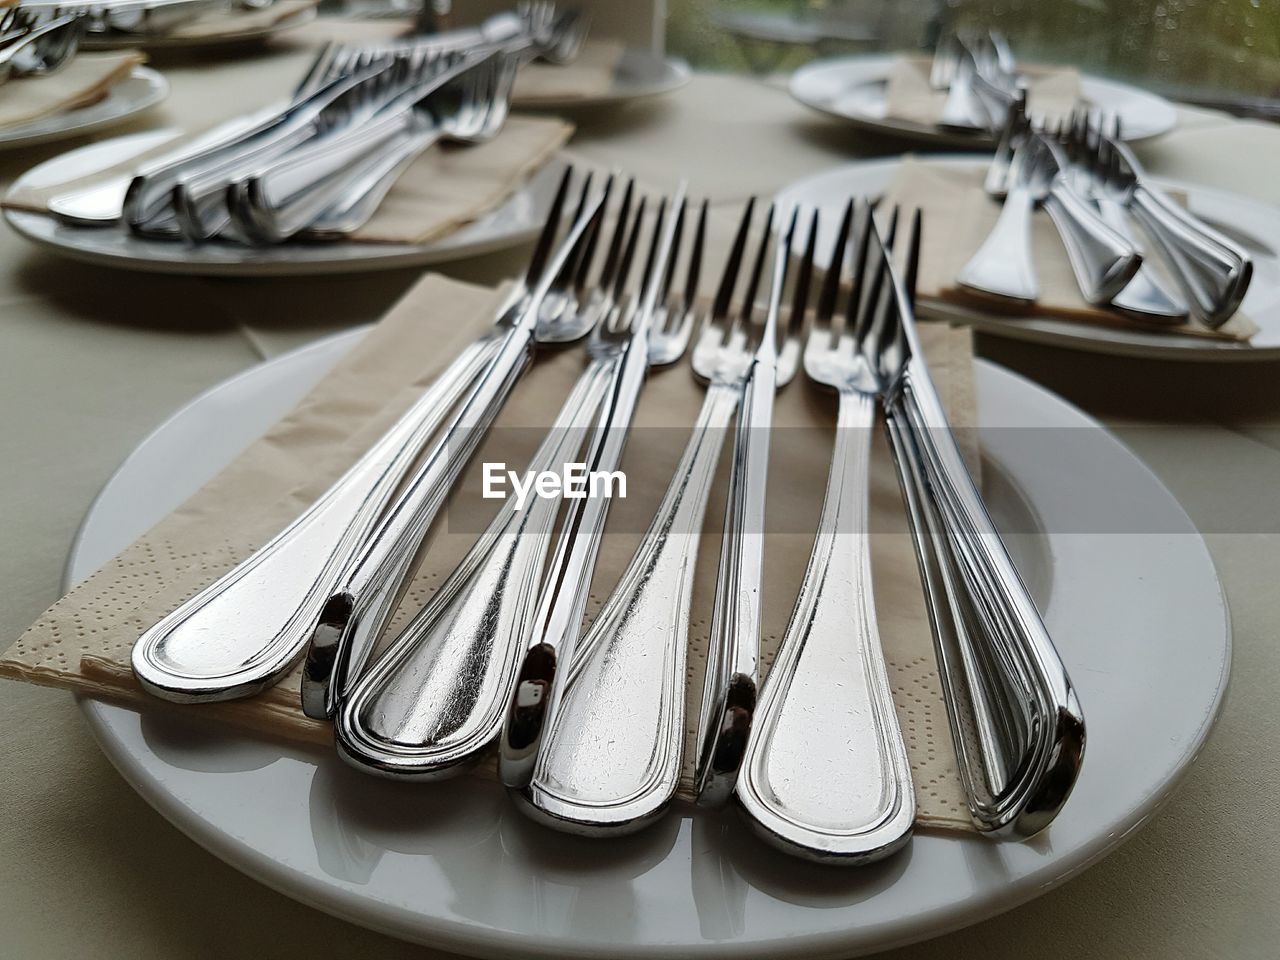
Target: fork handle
(287, 194)
(733, 647)
(369, 186)
(826, 770)
(1213, 272)
(435, 699)
(1017, 784)
(241, 633)
(1002, 266)
(622, 710)
(1102, 260)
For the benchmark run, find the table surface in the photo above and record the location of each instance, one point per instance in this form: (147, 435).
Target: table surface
(92, 360)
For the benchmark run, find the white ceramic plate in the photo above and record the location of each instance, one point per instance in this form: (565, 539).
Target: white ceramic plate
(139, 91)
(178, 42)
(853, 89)
(1139, 618)
(519, 219)
(639, 74)
(1251, 222)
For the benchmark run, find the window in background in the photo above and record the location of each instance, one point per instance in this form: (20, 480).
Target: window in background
(1219, 52)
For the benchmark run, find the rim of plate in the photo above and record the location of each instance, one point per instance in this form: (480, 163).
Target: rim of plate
(868, 68)
(1253, 222)
(468, 935)
(115, 247)
(147, 87)
(164, 42)
(639, 75)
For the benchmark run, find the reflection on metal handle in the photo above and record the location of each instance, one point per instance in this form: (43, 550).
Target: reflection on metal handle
(1213, 273)
(242, 633)
(611, 762)
(436, 699)
(826, 773)
(1017, 698)
(1102, 260)
(1002, 266)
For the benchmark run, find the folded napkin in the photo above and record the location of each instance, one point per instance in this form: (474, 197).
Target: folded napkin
(232, 22)
(83, 642)
(446, 188)
(958, 215)
(85, 80)
(1051, 91)
(589, 75)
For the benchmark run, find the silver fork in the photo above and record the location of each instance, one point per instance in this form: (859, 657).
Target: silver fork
(1212, 270)
(611, 762)
(1147, 294)
(827, 704)
(437, 697)
(633, 342)
(1016, 723)
(243, 632)
(733, 647)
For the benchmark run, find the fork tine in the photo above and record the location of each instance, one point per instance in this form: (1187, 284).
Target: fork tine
(614, 253)
(879, 295)
(651, 261)
(695, 259)
(804, 278)
(628, 255)
(677, 235)
(542, 250)
(571, 264)
(826, 308)
(757, 271)
(858, 282)
(729, 277)
(592, 240)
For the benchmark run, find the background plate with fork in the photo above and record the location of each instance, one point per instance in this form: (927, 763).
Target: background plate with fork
(514, 222)
(139, 91)
(853, 89)
(455, 866)
(1254, 224)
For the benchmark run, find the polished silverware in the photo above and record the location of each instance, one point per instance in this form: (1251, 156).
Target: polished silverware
(369, 589)
(611, 762)
(437, 697)
(1102, 261)
(1016, 721)
(350, 172)
(43, 49)
(101, 203)
(733, 646)
(827, 704)
(1148, 294)
(963, 110)
(634, 339)
(244, 631)
(1213, 271)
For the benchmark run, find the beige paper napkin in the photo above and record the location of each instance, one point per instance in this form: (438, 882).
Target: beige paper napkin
(589, 75)
(1051, 91)
(446, 188)
(83, 641)
(221, 23)
(958, 215)
(83, 81)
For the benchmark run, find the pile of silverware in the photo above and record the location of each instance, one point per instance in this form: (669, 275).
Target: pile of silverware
(981, 79)
(1086, 178)
(105, 20)
(318, 166)
(590, 729)
(34, 43)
